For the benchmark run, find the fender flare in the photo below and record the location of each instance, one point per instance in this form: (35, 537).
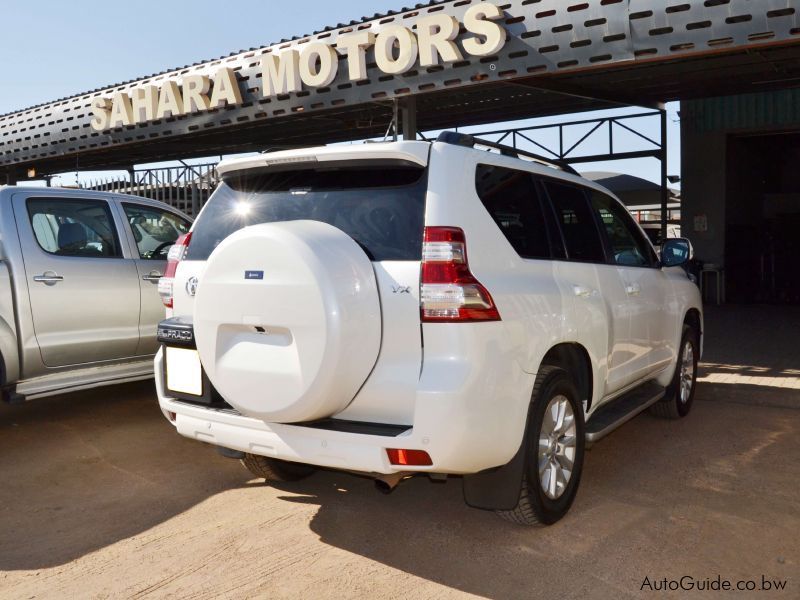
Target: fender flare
(9, 354)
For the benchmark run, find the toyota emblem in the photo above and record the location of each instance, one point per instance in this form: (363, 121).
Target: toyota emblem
(191, 286)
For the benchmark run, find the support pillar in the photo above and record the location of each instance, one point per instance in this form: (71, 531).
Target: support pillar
(664, 181)
(408, 111)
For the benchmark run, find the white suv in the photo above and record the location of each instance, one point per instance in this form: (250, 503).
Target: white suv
(417, 307)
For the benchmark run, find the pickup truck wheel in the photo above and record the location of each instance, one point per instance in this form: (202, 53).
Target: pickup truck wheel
(554, 457)
(680, 394)
(273, 469)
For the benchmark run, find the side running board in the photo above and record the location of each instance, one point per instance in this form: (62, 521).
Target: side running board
(623, 409)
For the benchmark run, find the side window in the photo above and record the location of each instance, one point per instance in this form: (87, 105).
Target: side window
(576, 221)
(512, 200)
(628, 245)
(73, 227)
(154, 230)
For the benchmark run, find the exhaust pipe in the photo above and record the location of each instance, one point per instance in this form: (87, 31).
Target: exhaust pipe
(385, 484)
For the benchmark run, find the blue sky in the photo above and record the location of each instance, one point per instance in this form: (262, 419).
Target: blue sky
(50, 49)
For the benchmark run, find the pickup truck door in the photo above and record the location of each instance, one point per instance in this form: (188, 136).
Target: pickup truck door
(83, 293)
(151, 231)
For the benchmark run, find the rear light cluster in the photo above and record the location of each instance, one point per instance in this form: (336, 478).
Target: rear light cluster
(176, 254)
(448, 290)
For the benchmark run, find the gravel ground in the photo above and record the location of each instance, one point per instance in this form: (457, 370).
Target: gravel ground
(100, 498)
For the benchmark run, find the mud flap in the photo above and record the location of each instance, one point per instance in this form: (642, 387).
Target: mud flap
(497, 488)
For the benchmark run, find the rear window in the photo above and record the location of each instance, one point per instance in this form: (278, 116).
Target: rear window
(381, 207)
(512, 199)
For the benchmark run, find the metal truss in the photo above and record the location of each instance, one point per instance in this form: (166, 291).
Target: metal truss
(567, 141)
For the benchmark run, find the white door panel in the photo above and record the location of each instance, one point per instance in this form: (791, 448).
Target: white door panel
(646, 292)
(600, 319)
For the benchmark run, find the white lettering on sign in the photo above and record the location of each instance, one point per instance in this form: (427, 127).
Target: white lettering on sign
(316, 64)
(144, 102)
(401, 61)
(280, 73)
(435, 35)
(479, 20)
(355, 45)
(226, 89)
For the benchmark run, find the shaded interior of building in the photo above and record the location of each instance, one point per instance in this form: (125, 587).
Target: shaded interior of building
(762, 229)
(741, 192)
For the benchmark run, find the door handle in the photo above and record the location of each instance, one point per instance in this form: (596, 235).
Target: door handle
(582, 291)
(152, 276)
(633, 289)
(48, 277)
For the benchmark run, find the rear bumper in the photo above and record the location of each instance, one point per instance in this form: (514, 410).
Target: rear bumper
(467, 420)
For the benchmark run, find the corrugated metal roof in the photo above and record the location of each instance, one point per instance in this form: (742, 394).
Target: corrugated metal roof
(746, 111)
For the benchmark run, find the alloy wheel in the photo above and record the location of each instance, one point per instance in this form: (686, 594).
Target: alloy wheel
(557, 446)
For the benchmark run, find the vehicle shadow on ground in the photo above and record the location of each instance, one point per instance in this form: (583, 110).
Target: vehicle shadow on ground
(672, 497)
(84, 470)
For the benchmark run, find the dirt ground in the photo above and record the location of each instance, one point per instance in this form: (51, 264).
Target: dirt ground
(100, 498)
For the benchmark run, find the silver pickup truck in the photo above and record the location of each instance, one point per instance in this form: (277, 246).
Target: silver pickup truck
(79, 300)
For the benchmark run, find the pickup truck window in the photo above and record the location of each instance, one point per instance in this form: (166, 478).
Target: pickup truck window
(512, 199)
(70, 227)
(154, 230)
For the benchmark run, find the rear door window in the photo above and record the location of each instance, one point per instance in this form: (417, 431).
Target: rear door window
(576, 221)
(381, 207)
(511, 197)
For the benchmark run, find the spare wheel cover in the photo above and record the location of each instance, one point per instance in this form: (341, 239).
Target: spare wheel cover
(287, 320)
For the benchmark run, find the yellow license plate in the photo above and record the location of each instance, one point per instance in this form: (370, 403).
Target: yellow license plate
(184, 373)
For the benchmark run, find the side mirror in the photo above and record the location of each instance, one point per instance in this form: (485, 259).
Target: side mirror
(676, 252)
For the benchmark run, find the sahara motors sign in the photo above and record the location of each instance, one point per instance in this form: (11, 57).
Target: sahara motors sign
(397, 50)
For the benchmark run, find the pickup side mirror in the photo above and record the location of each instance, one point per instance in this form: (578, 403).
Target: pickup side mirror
(676, 252)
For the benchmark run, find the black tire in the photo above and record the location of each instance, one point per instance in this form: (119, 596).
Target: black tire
(273, 469)
(674, 405)
(534, 506)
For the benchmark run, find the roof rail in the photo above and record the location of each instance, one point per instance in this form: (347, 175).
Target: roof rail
(470, 141)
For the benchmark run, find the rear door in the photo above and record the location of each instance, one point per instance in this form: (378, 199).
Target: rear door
(152, 230)
(600, 304)
(84, 294)
(381, 205)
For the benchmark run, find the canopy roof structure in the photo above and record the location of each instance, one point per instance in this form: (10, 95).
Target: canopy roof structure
(559, 56)
(633, 191)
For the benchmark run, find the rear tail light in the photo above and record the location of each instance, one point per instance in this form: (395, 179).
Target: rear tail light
(448, 290)
(416, 458)
(176, 254)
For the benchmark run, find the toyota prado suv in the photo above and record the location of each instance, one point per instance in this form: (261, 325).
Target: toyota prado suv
(448, 308)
